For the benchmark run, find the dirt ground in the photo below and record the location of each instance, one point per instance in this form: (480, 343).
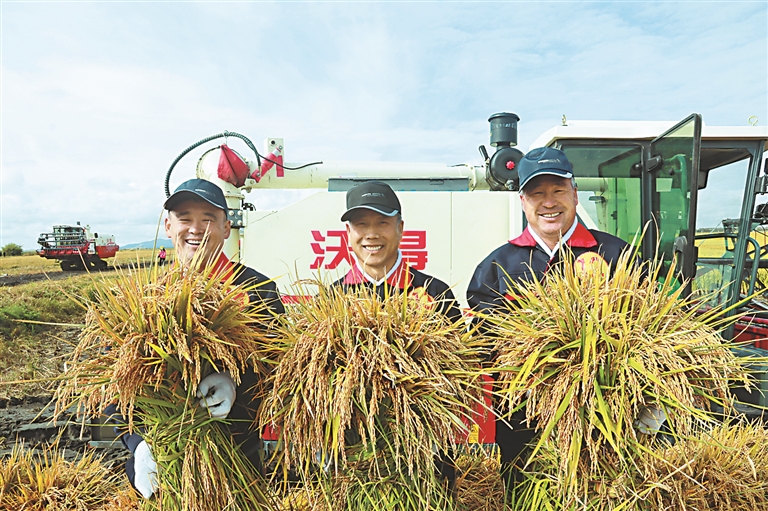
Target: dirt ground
(29, 420)
(55, 274)
(15, 280)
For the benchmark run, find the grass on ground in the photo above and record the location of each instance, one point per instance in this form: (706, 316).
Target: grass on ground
(32, 351)
(39, 322)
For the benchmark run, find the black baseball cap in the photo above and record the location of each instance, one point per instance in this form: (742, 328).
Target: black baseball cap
(374, 195)
(198, 187)
(543, 160)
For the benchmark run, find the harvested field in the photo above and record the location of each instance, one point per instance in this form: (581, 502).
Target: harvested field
(25, 269)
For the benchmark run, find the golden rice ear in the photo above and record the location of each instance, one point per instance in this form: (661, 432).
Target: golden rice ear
(394, 374)
(41, 479)
(722, 468)
(588, 350)
(143, 328)
(149, 339)
(478, 483)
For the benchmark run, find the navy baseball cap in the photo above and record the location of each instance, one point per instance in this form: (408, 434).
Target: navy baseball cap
(543, 160)
(374, 195)
(200, 188)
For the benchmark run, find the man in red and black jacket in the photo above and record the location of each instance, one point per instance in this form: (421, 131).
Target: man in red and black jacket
(197, 220)
(549, 198)
(375, 229)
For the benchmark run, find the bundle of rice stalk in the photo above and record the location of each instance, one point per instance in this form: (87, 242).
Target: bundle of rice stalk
(478, 485)
(587, 352)
(372, 480)
(393, 491)
(725, 469)
(46, 481)
(609, 488)
(148, 341)
(353, 488)
(355, 368)
(305, 498)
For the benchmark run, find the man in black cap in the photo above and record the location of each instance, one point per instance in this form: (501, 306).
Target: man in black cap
(197, 224)
(374, 230)
(549, 198)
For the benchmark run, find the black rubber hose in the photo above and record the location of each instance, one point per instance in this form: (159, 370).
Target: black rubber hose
(203, 141)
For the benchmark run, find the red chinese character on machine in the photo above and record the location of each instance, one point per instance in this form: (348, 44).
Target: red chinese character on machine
(413, 246)
(414, 249)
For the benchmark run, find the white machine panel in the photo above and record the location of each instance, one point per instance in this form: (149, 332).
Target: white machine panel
(446, 235)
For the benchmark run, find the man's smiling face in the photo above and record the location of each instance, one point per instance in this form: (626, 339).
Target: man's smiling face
(187, 225)
(549, 203)
(375, 240)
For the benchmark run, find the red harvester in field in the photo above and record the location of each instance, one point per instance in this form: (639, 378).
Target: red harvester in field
(76, 247)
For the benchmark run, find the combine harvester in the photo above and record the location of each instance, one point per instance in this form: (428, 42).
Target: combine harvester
(629, 175)
(76, 247)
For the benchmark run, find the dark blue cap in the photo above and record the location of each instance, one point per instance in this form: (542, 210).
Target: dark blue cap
(200, 188)
(543, 160)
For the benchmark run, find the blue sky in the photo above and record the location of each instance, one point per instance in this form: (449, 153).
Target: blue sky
(98, 98)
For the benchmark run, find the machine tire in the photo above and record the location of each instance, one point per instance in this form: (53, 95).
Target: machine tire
(66, 265)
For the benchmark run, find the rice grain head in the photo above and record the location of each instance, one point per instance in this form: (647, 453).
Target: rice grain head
(587, 351)
(150, 337)
(358, 374)
(44, 480)
(146, 328)
(722, 469)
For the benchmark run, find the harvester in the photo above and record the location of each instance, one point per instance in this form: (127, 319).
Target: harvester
(77, 247)
(645, 182)
(642, 181)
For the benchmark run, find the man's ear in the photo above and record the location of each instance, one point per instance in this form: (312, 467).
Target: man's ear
(227, 229)
(168, 225)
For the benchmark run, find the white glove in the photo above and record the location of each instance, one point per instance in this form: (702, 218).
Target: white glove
(217, 394)
(650, 420)
(145, 470)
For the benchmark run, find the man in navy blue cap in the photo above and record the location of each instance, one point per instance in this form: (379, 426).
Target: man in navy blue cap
(197, 222)
(549, 198)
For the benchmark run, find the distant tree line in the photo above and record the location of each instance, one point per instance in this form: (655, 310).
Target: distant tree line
(11, 249)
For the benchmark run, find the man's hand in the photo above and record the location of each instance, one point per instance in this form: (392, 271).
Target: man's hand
(217, 394)
(145, 470)
(650, 420)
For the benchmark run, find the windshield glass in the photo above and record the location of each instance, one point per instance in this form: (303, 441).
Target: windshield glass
(608, 178)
